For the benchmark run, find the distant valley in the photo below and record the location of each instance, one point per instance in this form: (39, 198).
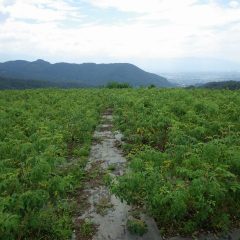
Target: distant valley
(196, 78)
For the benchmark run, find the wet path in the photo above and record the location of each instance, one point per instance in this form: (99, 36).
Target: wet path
(105, 210)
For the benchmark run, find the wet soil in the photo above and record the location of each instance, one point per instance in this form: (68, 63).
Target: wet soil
(105, 210)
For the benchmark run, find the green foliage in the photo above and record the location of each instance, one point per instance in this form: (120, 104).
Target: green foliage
(112, 85)
(136, 226)
(112, 167)
(151, 86)
(42, 133)
(87, 228)
(183, 150)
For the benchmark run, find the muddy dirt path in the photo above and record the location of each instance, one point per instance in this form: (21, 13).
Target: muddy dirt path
(105, 210)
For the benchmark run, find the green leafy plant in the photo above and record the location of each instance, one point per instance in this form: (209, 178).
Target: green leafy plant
(182, 147)
(136, 226)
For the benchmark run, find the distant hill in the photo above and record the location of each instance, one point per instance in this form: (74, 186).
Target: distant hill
(79, 75)
(231, 85)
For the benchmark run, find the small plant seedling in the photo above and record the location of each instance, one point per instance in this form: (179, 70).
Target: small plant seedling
(103, 205)
(107, 179)
(112, 167)
(87, 228)
(136, 214)
(136, 226)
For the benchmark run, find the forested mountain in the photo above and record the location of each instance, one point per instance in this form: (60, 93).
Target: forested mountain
(80, 75)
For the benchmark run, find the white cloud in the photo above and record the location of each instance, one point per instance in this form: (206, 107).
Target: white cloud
(234, 4)
(142, 6)
(187, 12)
(40, 11)
(162, 29)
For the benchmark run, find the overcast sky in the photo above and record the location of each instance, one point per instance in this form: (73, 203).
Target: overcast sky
(138, 31)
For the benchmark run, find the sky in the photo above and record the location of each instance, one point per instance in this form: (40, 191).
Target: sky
(149, 33)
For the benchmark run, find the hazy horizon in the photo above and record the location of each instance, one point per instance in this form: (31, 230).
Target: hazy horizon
(156, 35)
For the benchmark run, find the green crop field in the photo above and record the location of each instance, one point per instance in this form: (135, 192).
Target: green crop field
(182, 146)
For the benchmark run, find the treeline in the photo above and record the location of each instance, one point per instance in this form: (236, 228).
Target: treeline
(229, 85)
(14, 83)
(21, 84)
(9, 83)
(112, 85)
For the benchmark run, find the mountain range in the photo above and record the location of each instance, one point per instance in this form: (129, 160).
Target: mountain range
(44, 74)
